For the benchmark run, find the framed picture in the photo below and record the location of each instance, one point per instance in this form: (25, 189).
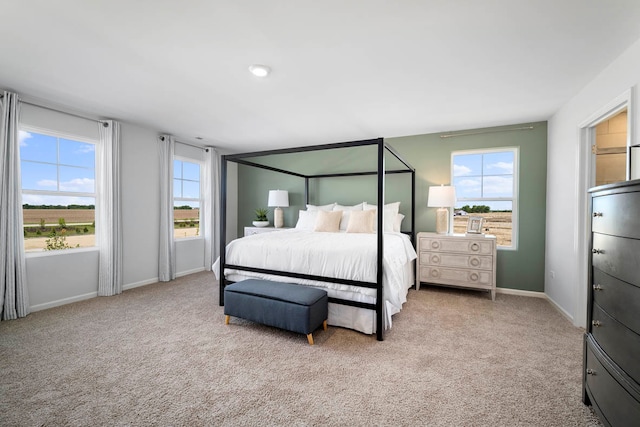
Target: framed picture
(474, 225)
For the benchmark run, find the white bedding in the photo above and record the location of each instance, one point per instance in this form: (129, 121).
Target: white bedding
(341, 255)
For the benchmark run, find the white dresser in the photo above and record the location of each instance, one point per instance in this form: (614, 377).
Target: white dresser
(461, 260)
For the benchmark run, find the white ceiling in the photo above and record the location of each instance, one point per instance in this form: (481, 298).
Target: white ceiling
(342, 69)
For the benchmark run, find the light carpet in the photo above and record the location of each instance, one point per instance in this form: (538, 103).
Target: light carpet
(161, 355)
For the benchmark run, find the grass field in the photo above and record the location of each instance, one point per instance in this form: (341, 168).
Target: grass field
(496, 223)
(84, 218)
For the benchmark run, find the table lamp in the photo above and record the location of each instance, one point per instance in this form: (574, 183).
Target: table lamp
(278, 199)
(442, 197)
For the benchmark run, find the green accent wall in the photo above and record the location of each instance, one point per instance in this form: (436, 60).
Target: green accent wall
(430, 155)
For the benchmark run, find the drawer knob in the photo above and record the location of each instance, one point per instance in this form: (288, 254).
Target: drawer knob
(597, 287)
(591, 372)
(597, 214)
(475, 247)
(435, 245)
(597, 251)
(435, 259)
(474, 261)
(435, 273)
(474, 276)
(596, 323)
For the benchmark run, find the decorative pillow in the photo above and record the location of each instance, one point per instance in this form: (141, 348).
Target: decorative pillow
(328, 221)
(361, 221)
(390, 214)
(397, 226)
(346, 210)
(328, 207)
(306, 220)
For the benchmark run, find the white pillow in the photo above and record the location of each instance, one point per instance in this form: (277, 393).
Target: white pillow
(390, 214)
(346, 210)
(397, 225)
(306, 220)
(361, 221)
(328, 221)
(328, 207)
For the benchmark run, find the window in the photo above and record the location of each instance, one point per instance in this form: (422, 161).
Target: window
(58, 191)
(486, 183)
(186, 198)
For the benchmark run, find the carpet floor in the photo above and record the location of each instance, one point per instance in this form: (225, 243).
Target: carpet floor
(161, 355)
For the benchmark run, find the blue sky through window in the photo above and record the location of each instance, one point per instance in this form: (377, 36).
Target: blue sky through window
(50, 165)
(186, 183)
(484, 176)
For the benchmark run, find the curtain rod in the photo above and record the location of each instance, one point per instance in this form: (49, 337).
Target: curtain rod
(205, 148)
(451, 135)
(60, 111)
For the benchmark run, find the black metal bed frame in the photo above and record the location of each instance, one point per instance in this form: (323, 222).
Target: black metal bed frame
(380, 172)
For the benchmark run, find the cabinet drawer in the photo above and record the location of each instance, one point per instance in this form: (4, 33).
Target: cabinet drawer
(611, 400)
(483, 247)
(461, 277)
(620, 299)
(617, 214)
(618, 341)
(445, 259)
(617, 256)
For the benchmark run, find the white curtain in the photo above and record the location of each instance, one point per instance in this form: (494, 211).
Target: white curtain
(109, 209)
(167, 252)
(211, 212)
(14, 298)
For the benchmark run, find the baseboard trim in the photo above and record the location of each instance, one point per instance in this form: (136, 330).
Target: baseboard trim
(76, 298)
(188, 272)
(141, 283)
(521, 293)
(562, 311)
(64, 301)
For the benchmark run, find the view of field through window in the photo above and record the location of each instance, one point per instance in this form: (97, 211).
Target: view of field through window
(77, 225)
(485, 183)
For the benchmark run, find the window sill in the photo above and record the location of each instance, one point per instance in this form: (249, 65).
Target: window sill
(44, 253)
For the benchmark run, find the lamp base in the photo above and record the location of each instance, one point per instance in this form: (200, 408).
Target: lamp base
(442, 221)
(278, 218)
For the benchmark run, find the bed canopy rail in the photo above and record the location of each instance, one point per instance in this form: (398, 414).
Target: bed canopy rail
(380, 172)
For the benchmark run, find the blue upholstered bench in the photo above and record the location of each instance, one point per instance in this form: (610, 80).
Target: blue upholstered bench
(296, 308)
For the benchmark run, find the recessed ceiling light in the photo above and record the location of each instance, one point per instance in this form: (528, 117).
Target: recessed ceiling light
(259, 70)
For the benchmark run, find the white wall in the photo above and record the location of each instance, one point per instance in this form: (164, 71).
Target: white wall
(565, 257)
(68, 276)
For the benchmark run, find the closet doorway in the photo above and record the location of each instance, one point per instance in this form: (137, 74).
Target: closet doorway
(610, 149)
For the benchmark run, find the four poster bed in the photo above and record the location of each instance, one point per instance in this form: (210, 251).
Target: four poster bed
(366, 274)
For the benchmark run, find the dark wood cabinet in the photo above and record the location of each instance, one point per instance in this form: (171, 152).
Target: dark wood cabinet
(611, 375)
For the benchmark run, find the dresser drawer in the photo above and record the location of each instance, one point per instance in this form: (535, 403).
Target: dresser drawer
(483, 247)
(461, 277)
(618, 341)
(617, 214)
(617, 256)
(610, 399)
(620, 299)
(445, 259)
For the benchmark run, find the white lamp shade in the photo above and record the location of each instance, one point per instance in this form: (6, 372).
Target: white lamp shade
(442, 196)
(278, 198)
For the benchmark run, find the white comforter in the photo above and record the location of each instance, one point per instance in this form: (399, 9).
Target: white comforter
(342, 255)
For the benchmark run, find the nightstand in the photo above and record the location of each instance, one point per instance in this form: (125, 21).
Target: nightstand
(248, 231)
(461, 260)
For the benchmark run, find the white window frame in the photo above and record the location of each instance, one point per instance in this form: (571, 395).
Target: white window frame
(514, 200)
(191, 199)
(57, 193)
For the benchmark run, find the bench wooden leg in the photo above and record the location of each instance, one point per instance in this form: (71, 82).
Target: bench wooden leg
(226, 319)
(310, 339)
(324, 325)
